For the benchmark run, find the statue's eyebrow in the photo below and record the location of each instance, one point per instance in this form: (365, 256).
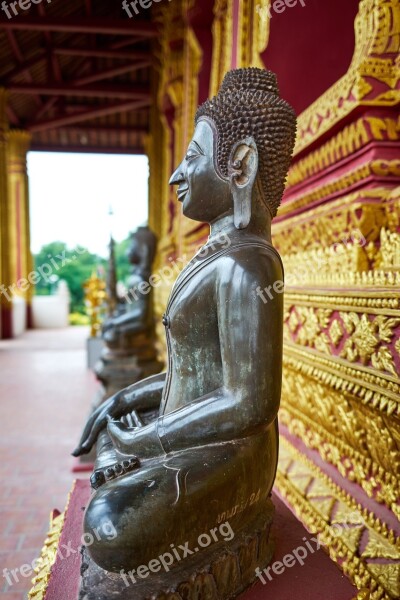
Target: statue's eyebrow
(197, 146)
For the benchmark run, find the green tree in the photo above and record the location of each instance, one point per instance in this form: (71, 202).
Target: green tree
(55, 261)
(123, 265)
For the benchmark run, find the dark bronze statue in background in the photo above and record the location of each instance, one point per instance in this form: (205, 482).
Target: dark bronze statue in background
(130, 352)
(209, 455)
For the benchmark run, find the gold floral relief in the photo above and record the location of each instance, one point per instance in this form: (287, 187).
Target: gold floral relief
(361, 441)
(366, 211)
(363, 546)
(361, 338)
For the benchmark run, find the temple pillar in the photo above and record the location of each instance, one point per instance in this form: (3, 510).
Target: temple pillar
(20, 258)
(5, 274)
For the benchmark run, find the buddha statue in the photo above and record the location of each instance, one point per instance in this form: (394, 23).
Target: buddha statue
(197, 446)
(130, 353)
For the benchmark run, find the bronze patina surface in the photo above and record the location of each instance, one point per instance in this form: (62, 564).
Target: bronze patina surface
(185, 450)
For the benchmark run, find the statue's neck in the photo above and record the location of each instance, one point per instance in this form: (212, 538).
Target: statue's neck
(260, 225)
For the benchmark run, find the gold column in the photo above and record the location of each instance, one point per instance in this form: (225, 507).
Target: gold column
(20, 258)
(5, 275)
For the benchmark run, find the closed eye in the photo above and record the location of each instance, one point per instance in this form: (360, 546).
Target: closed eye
(190, 155)
(194, 151)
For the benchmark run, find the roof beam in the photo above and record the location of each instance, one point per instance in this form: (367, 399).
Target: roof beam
(24, 67)
(110, 73)
(12, 117)
(19, 58)
(136, 130)
(93, 91)
(102, 53)
(93, 25)
(93, 113)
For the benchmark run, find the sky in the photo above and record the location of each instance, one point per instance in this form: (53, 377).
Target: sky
(71, 195)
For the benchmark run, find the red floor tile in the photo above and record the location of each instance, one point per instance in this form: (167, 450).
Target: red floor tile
(46, 392)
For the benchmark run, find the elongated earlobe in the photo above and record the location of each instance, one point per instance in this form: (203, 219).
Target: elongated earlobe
(243, 167)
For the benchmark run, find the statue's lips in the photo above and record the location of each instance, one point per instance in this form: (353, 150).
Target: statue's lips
(181, 192)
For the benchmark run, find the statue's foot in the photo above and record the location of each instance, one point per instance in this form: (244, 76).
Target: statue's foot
(164, 501)
(100, 476)
(217, 573)
(109, 464)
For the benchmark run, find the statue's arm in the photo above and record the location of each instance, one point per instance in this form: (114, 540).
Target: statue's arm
(127, 317)
(145, 394)
(250, 335)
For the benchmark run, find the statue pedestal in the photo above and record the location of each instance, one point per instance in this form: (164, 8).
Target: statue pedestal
(94, 347)
(312, 577)
(119, 368)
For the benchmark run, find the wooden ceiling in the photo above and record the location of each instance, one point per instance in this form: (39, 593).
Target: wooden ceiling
(78, 73)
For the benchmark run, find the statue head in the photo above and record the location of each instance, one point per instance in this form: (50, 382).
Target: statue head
(142, 250)
(240, 151)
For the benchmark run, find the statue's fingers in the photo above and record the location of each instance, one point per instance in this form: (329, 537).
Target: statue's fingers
(98, 425)
(81, 448)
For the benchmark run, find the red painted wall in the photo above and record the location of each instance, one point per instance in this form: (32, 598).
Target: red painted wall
(310, 47)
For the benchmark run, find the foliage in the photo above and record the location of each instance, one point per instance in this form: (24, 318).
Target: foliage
(78, 319)
(55, 261)
(124, 268)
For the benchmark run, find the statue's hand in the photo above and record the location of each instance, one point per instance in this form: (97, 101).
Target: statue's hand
(111, 334)
(141, 442)
(112, 408)
(107, 324)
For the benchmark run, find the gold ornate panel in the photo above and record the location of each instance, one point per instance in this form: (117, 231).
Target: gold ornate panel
(364, 547)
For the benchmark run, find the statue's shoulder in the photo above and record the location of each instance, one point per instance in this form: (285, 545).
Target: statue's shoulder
(253, 262)
(252, 250)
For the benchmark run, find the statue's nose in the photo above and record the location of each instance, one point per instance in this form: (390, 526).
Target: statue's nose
(178, 176)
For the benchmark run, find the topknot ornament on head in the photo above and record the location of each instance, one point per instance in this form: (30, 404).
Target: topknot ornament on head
(248, 105)
(251, 78)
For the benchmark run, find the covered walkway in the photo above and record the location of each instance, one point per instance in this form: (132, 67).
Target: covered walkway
(45, 391)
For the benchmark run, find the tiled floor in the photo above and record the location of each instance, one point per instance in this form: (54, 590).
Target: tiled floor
(45, 396)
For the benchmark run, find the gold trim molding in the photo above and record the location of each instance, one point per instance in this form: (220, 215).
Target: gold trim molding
(353, 137)
(341, 523)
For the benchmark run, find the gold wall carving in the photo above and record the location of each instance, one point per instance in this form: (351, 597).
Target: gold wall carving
(365, 211)
(375, 62)
(367, 339)
(353, 137)
(47, 559)
(18, 143)
(341, 524)
(372, 387)
(253, 32)
(252, 35)
(222, 43)
(381, 168)
(349, 417)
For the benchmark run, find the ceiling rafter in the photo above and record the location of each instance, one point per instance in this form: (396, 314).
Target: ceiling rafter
(109, 73)
(101, 53)
(24, 67)
(55, 65)
(92, 25)
(93, 91)
(136, 130)
(20, 59)
(93, 113)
